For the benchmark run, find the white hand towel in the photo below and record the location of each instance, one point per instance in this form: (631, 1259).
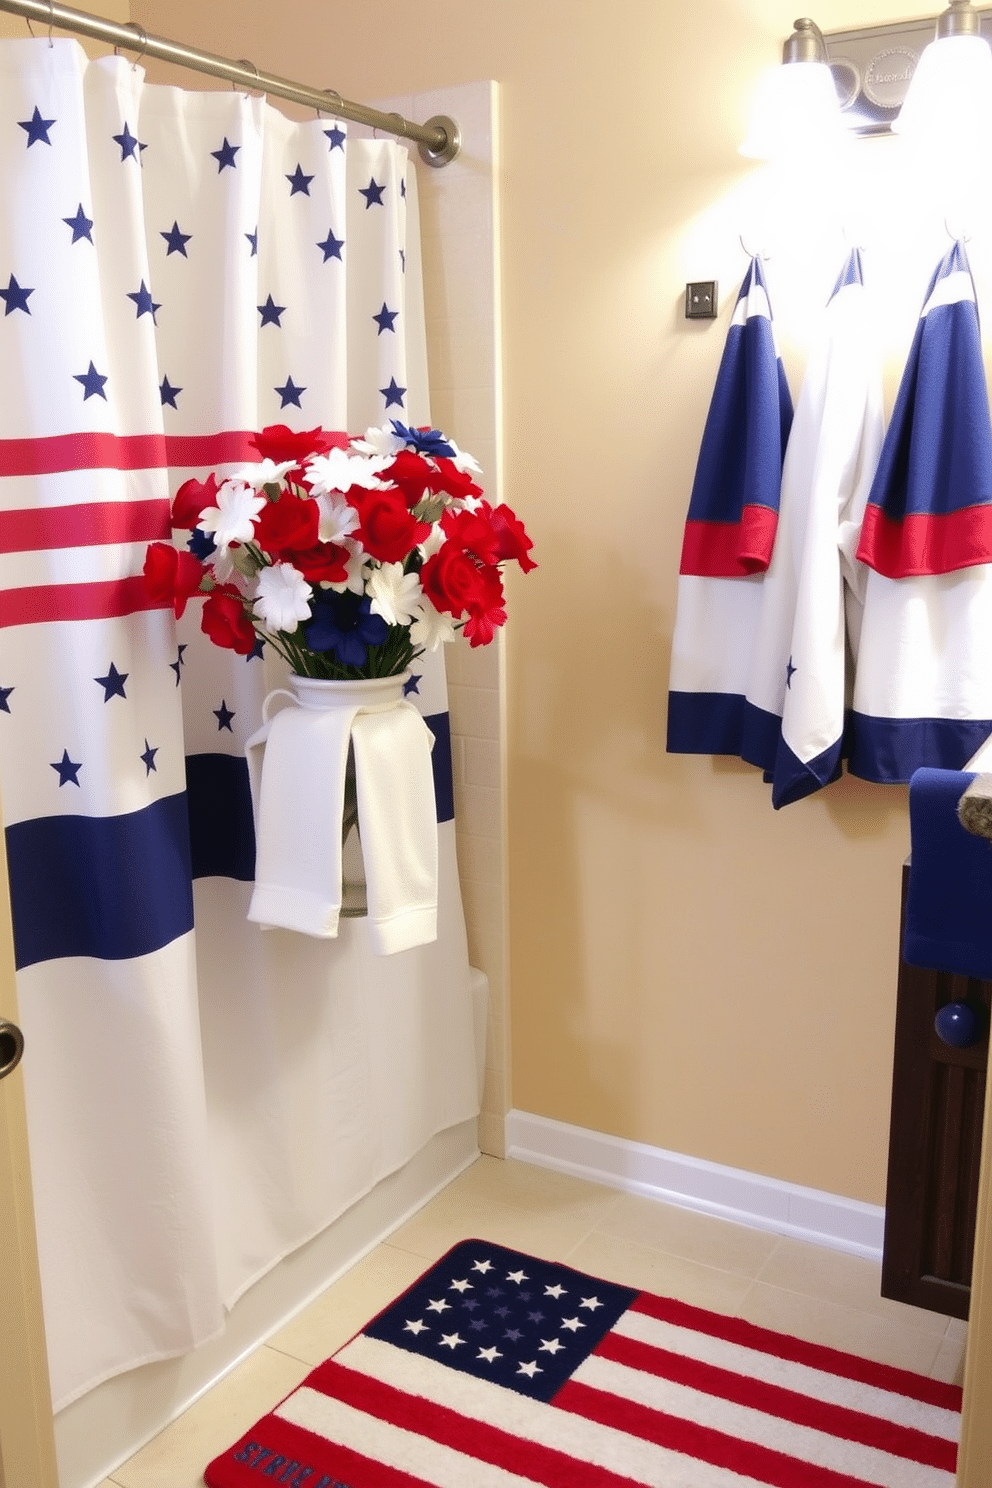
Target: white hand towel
(296, 765)
(397, 822)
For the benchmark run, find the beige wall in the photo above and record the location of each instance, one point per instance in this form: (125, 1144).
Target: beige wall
(688, 968)
(110, 10)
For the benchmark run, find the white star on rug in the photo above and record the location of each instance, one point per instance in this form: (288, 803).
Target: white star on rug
(452, 1340)
(517, 1276)
(482, 1266)
(552, 1345)
(439, 1306)
(572, 1324)
(490, 1355)
(591, 1302)
(555, 1291)
(530, 1369)
(416, 1327)
(461, 1286)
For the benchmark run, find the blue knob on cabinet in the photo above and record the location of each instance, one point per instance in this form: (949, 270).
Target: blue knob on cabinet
(958, 1024)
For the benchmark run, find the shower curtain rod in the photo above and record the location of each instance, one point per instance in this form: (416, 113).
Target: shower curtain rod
(439, 138)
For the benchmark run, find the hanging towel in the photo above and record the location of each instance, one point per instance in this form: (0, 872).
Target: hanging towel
(949, 897)
(297, 765)
(729, 532)
(798, 689)
(930, 508)
(923, 686)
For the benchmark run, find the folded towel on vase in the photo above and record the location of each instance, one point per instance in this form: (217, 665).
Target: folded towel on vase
(397, 823)
(949, 898)
(296, 764)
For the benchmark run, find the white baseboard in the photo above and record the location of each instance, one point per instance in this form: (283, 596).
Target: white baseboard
(692, 1183)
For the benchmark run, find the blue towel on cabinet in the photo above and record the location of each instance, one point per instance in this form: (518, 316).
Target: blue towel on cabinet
(949, 899)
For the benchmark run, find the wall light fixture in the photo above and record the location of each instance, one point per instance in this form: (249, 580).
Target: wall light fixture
(911, 77)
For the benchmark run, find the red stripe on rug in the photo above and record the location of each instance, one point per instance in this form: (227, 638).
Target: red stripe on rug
(104, 600)
(90, 524)
(782, 1403)
(282, 1452)
(733, 1454)
(798, 1351)
(439, 1423)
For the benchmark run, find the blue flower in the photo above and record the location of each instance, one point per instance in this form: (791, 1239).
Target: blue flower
(344, 623)
(201, 545)
(424, 441)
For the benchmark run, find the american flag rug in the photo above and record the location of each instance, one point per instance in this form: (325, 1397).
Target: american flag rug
(498, 1370)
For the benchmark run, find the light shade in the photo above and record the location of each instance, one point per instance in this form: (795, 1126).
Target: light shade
(795, 111)
(949, 100)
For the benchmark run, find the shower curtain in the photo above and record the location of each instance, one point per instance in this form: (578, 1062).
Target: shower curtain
(178, 270)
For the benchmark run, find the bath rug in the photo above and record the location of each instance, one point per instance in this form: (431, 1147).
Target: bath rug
(499, 1370)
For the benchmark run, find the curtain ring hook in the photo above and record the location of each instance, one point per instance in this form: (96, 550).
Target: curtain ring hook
(51, 21)
(247, 62)
(136, 26)
(335, 98)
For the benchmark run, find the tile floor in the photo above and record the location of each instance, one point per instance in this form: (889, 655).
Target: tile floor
(781, 1283)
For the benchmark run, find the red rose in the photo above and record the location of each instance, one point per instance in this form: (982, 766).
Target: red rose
(193, 498)
(172, 575)
(452, 481)
(513, 540)
(277, 442)
(287, 524)
(472, 530)
(487, 612)
(225, 622)
(325, 562)
(417, 476)
(411, 473)
(455, 582)
(387, 530)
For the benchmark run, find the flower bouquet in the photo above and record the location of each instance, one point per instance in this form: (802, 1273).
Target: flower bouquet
(350, 556)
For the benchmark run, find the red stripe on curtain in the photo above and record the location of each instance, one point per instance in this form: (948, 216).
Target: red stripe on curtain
(90, 524)
(53, 454)
(98, 601)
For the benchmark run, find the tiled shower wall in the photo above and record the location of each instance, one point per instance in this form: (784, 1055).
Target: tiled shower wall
(460, 234)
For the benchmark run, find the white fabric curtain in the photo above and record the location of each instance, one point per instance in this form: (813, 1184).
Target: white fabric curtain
(179, 270)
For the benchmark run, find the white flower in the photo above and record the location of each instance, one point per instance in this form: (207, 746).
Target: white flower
(461, 461)
(262, 473)
(435, 539)
(395, 596)
(338, 517)
(383, 442)
(358, 565)
(232, 519)
(431, 628)
(339, 471)
(282, 598)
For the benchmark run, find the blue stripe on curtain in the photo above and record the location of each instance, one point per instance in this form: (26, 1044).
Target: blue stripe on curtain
(109, 887)
(218, 789)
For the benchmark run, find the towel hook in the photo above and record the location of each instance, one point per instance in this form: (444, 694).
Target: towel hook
(955, 237)
(753, 252)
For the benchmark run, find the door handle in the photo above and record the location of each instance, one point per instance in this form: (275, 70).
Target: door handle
(11, 1047)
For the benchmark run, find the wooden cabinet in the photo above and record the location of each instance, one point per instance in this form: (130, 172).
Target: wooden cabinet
(935, 1141)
